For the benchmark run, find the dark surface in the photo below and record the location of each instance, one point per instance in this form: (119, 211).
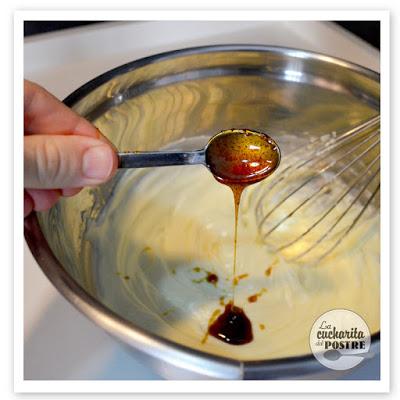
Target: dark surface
(36, 27)
(366, 30)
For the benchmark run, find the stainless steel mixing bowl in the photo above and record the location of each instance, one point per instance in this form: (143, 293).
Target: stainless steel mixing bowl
(182, 94)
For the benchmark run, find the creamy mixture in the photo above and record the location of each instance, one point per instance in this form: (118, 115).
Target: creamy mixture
(165, 230)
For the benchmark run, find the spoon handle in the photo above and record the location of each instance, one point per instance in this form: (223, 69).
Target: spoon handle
(159, 158)
(363, 355)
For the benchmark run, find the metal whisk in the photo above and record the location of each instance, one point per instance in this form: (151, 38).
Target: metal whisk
(326, 190)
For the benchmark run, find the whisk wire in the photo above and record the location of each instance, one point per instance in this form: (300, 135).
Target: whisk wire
(344, 169)
(324, 169)
(340, 218)
(352, 157)
(353, 224)
(343, 195)
(344, 139)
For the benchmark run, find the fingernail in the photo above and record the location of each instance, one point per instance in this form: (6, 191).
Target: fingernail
(97, 162)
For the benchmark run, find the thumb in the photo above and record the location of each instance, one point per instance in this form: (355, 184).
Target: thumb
(61, 161)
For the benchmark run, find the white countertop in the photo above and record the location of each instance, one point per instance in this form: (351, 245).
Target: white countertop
(60, 343)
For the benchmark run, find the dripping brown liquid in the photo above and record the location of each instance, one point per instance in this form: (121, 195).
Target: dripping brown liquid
(238, 158)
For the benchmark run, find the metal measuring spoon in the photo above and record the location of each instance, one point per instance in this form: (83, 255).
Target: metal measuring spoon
(232, 156)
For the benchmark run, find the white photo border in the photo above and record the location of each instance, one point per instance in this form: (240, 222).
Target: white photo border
(316, 386)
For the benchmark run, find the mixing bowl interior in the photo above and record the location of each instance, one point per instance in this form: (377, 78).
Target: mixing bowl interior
(179, 101)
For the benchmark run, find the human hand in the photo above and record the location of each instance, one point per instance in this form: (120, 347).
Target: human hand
(63, 152)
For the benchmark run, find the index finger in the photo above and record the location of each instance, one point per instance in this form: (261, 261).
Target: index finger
(44, 114)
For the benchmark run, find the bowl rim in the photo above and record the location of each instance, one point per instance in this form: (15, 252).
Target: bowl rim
(154, 345)
(94, 83)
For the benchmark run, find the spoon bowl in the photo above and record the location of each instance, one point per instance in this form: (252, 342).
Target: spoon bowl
(333, 355)
(234, 156)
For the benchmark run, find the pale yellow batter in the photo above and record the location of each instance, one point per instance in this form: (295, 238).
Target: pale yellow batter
(165, 228)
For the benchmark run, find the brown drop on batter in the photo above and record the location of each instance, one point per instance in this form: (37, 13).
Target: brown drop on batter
(212, 278)
(232, 326)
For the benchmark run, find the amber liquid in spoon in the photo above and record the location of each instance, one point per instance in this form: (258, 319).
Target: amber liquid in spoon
(238, 158)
